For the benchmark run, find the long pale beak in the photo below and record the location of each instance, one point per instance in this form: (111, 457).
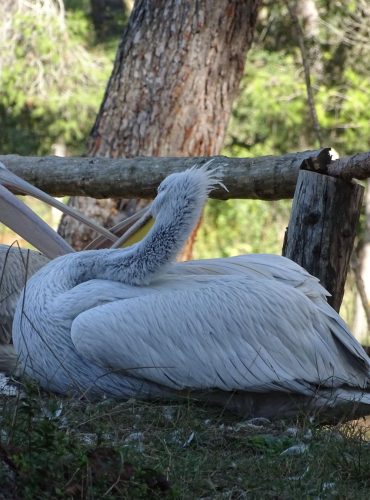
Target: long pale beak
(119, 229)
(137, 231)
(13, 182)
(21, 219)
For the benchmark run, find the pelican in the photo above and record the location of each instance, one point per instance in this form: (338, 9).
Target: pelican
(18, 264)
(253, 333)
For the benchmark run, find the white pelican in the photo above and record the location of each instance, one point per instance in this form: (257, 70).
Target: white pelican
(253, 333)
(16, 265)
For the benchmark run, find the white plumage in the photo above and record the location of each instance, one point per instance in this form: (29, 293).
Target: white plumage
(16, 266)
(254, 332)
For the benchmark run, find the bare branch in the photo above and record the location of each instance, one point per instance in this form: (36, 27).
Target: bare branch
(264, 178)
(306, 67)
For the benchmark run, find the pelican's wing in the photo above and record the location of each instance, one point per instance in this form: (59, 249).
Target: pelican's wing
(17, 216)
(227, 333)
(12, 181)
(256, 266)
(281, 269)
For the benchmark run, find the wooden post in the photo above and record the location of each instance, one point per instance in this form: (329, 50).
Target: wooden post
(322, 229)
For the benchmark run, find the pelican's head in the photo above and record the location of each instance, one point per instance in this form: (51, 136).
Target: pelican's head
(185, 191)
(181, 196)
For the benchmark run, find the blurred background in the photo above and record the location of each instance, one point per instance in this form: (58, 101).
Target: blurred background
(56, 58)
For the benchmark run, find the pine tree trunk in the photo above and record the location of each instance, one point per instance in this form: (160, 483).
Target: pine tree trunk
(176, 74)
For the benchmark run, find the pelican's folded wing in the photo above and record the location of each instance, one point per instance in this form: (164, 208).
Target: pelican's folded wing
(281, 269)
(223, 333)
(256, 266)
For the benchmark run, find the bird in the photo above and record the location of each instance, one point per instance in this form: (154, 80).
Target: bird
(252, 333)
(16, 266)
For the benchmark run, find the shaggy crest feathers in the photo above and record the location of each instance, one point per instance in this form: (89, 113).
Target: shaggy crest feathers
(194, 182)
(212, 177)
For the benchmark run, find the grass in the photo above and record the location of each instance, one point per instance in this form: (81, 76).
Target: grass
(54, 447)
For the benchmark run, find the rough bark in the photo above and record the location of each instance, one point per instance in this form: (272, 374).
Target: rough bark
(176, 74)
(349, 167)
(322, 229)
(266, 177)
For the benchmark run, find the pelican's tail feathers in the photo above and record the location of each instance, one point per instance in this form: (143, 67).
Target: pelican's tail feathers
(321, 406)
(341, 404)
(344, 337)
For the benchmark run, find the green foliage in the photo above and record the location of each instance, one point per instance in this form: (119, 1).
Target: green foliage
(271, 116)
(235, 227)
(51, 85)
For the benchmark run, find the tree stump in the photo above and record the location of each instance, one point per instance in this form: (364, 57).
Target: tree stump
(322, 229)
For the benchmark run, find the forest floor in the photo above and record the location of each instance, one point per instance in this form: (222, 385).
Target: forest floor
(53, 447)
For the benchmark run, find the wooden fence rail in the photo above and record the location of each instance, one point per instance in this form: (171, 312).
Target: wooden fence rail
(266, 177)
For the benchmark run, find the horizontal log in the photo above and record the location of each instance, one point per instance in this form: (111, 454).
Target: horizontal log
(351, 167)
(266, 177)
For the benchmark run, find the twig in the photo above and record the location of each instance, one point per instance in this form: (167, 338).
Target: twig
(355, 264)
(306, 67)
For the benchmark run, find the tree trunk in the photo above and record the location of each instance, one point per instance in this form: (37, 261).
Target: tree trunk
(176, 74)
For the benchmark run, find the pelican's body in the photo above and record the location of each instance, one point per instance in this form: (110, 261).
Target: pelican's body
(254, 333)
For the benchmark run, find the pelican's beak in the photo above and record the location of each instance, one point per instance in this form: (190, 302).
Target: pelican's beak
(29, 226)
(13, 182)
(137, 231)
(21, 219)
(119, 229)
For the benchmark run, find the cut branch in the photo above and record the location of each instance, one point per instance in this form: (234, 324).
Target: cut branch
(266, 177)
(351, 167)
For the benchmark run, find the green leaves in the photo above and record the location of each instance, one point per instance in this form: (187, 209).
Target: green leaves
(51, 85)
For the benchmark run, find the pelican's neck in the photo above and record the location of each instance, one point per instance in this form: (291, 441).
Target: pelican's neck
(139, 264)
(177, 208)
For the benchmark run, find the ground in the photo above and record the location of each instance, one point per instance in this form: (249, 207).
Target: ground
(55, 447)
